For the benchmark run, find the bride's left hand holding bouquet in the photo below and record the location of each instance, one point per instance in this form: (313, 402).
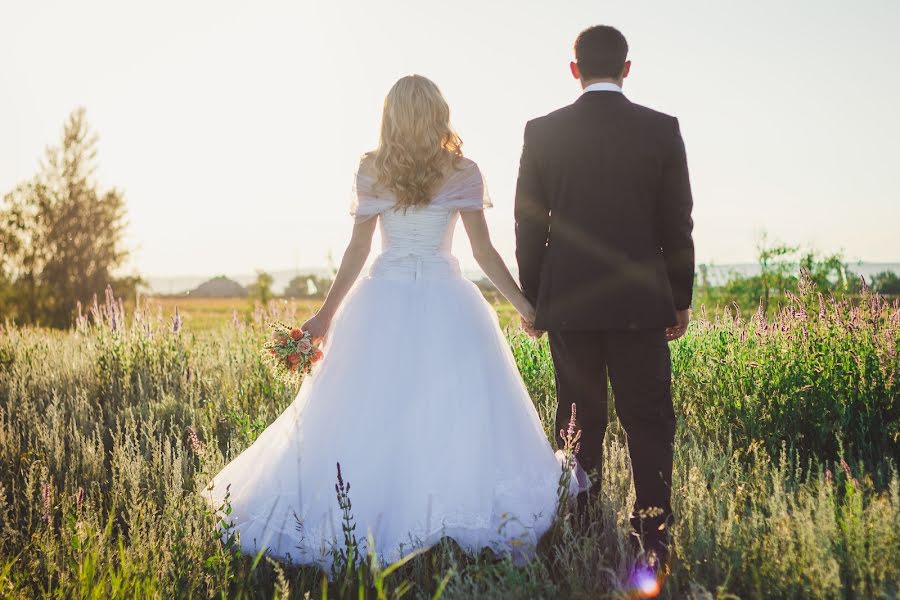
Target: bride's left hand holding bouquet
(290, 352)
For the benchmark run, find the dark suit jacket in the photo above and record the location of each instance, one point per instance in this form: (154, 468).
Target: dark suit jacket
(603, 217)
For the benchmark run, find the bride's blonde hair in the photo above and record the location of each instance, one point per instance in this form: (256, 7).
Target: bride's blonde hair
(418, 146)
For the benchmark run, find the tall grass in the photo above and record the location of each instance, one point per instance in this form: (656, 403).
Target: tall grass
(785, 482)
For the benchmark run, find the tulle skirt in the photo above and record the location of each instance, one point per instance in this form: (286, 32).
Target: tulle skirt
(420, 401)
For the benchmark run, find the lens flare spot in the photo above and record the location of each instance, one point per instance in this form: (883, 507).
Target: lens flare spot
(645, 584)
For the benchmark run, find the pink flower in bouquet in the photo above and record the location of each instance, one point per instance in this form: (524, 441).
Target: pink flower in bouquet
(290, 352)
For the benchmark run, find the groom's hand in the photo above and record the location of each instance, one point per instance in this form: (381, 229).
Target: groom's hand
(682, 318)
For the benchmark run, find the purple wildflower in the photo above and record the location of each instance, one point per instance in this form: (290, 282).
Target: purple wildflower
(572, 434)
(339, 487)
(176, 321)
(194, 440)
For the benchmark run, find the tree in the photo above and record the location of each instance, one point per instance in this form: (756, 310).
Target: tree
(780, 270)
(886, 283)
(307, 286)
(61, 234)
(261, 289)
(776, 270)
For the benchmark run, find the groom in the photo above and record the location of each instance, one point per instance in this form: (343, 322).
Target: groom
(604, 247)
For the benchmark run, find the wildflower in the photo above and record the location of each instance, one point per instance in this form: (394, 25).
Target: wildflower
(79, 499)
(571, 431)
(95, 309)
(47, 501)
(340, 487)
(846, 468)
(572, 434)
(114, 311)
(176, 321)
(81, 318)
(194, 440)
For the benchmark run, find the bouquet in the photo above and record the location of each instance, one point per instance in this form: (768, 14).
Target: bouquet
(290, 352)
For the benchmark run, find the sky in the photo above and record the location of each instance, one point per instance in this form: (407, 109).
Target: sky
(233, 128)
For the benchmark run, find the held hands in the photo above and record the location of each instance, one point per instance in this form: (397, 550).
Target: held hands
(317, 326)
(528, 327)
(527, 314)
(683, 318)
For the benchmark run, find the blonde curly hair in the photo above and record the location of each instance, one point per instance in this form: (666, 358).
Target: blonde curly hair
(418, 146)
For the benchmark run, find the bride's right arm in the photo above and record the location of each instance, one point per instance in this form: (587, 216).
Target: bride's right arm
(492, 264)
(353, 261)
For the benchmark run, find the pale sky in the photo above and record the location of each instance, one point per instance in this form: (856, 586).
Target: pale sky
(233, 128)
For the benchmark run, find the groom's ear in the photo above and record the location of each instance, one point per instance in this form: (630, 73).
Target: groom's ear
(576, 72)
(626, 69)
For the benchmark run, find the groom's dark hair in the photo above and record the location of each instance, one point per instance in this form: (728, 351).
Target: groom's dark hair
(601, 51)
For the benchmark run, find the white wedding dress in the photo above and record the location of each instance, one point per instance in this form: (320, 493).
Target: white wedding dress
(419, 400)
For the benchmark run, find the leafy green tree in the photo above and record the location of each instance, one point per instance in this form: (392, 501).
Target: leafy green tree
(307, 286)
(829, 273)
(61, 235)
(777, 270)
(780, 270)
(886, 283)
(261, 289)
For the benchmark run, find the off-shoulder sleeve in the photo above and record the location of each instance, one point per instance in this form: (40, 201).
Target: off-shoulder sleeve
(465, 190)
(366, 201)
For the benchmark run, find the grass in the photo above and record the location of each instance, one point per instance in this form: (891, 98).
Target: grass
(205, 314)
(786, 482)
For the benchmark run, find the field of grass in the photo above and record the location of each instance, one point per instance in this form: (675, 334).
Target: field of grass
(204, 314)
(786, 481)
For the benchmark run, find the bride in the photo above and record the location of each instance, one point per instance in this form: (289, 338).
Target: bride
(418, 396)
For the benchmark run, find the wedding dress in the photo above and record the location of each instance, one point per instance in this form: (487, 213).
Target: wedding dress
(419, 400)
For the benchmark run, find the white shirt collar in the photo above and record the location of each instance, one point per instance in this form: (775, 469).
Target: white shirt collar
(602, 87)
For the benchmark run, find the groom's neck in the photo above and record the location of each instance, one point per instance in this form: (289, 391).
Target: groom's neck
(587, 82)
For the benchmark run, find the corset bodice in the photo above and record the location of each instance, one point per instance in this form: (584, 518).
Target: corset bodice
(416, 244)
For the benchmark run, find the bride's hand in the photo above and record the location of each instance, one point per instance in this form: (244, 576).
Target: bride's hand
(526, 311)
(528, 327)
(317, 326)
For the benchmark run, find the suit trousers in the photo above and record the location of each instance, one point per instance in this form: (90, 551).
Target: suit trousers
(638, 366)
